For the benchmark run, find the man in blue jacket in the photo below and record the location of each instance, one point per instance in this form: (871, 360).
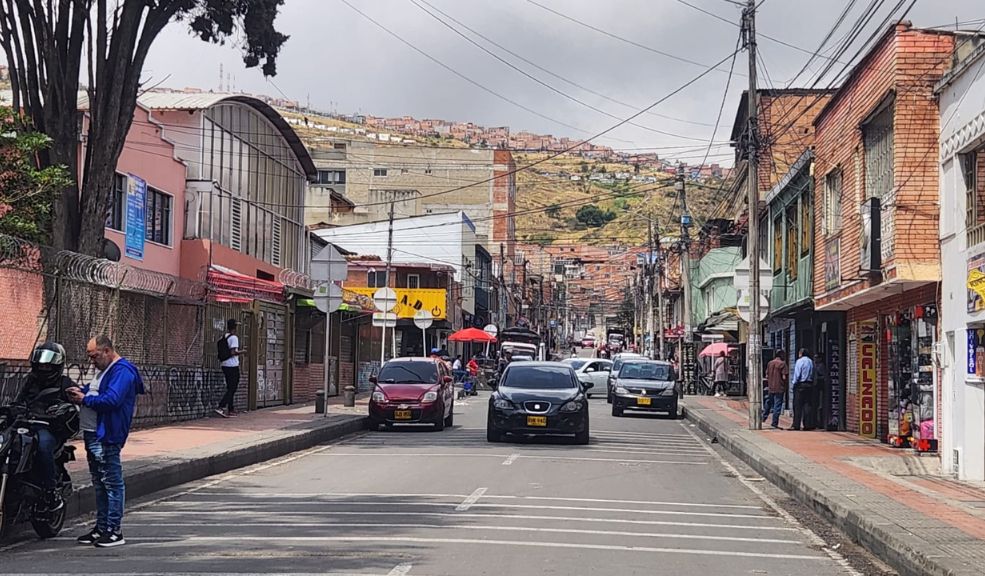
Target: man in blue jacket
(107, 411)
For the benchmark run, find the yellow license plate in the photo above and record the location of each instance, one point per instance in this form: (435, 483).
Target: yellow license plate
(643, 401)
(540, 421)
(401, 414)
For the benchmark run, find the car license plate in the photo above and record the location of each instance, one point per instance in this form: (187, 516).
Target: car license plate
(643, 401)
(540, 421)
(401, 414)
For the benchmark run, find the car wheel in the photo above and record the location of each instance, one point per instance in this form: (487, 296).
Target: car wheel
(608, 397)
(616, 410)
(439, 424)
(450, 420)
(493, 435)
(582, 437)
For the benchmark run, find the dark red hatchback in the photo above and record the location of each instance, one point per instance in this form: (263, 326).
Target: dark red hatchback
(413, 391)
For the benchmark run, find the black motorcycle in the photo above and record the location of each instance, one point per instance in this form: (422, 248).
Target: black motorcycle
(21, 496)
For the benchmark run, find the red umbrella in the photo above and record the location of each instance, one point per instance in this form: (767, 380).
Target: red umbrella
(716, 349)
(471, 335)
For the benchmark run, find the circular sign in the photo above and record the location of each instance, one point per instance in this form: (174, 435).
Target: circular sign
(385, 299)
(423, 319)
(491, 330)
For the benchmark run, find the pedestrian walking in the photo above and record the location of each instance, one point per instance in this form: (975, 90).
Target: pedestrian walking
(803, 391)
(721, 375)
(106, 414)
(229, 352)
(776, 385)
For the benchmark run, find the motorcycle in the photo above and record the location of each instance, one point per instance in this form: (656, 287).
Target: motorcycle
(21, 496)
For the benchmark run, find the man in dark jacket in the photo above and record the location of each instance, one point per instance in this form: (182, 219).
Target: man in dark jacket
(107, 410)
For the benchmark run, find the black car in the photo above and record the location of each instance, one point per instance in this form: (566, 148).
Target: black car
(647, 385)
(538, 398)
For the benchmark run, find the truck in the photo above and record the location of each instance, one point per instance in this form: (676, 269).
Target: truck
(615, 340)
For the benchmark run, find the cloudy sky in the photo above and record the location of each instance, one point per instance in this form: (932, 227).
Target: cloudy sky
(578, 81)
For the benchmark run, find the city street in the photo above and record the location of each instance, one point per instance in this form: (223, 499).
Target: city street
(646, 496)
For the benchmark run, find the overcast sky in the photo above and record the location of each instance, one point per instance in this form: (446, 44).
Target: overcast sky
(342, 61)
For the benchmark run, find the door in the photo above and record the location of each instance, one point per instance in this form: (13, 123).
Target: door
(271, 355)
(601, 375)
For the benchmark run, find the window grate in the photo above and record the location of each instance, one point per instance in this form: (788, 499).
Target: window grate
(275, 242)
(236, 225)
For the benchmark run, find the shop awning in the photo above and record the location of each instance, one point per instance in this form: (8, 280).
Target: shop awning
(726, 320)
(227, 285)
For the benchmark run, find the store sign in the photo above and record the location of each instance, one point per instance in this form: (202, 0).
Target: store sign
(135, 226)
(868, 376)
(411, 300)
(976, 352)
(834, 383)
(832, 264)
(976, 283)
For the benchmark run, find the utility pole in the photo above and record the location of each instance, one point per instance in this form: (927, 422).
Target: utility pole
(649, 291)
(754, 379)
(389, 258)
(658, 280)
(502, 286)
(687, 346)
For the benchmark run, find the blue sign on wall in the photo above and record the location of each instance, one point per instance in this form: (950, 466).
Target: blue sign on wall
(136, 199)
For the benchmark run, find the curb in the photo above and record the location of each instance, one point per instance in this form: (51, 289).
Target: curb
(144, 477)
(906, 553)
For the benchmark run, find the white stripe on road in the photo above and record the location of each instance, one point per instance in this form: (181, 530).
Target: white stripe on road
(416, 514)
(446, 526)
(510, 459)
(471, 499)
(219, 507)
(401, 570)
(546, 457)
(376, 540)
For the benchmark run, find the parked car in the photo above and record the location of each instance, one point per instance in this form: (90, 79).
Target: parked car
(648, 385)
(591, 370)
(617, 362)
(538, 398)
(413, 391)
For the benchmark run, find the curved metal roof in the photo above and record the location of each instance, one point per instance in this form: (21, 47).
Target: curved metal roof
(204, 100)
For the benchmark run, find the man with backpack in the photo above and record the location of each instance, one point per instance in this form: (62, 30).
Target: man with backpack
(229, 351)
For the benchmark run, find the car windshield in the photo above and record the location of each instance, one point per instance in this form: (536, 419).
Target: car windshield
(618, 363)
(409, 373)
(539, 377)
(645, 371)
(576, 363)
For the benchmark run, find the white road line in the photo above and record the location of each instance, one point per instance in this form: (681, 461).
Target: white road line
(809, 534)
(240, 499)
(545, 457)
(471, 500)
(375, 540)
(253, 514)
(510, 459)
(219, 507)
(442, 526)
(401, 570)
(391, 573)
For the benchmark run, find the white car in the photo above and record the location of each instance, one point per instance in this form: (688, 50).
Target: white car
(594, 370)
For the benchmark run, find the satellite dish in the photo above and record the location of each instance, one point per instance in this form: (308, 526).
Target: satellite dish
(110, 250)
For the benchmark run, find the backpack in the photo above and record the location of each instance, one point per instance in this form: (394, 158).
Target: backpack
(222, 346)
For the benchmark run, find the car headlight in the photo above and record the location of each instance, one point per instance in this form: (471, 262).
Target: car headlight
(572, 406)
(502, 404)
(430, 396)
(379, 396)
(621, 390)
(668, 392)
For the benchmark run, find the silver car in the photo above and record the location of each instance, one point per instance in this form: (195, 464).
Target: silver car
(594, 370)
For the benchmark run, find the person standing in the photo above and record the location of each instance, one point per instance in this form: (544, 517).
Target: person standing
(803, 391)
(229, 352)
(721, 375)
(776, 385)
(108, 404)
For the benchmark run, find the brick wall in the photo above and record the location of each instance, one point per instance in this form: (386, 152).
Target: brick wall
(786, 127)
(308, 380)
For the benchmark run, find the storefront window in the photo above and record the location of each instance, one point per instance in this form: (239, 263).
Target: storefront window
(912, 397)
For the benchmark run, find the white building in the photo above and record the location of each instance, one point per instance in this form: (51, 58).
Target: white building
(962, 233)
(447, 239)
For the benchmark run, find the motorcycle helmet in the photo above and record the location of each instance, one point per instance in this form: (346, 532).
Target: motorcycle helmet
(48, 361)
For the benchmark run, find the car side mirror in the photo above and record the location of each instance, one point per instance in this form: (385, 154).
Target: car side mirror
(587, 385)
(373, 380)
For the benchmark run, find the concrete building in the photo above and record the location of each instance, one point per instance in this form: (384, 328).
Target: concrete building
(962, 236)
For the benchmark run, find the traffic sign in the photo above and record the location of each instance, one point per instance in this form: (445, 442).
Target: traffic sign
(491, 329)
(329, 265)
(328, 297)
(742, 306)
(423, 319)
(740, 278)
(384, 319)
(385, 299)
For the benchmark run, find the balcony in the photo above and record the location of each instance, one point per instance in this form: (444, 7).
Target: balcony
(976, 234)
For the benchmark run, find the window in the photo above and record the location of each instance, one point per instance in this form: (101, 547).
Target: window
(413, 281)
(806, 225)
(778, 244)
(877, 136)
(832, 202)
(792, 236)
(339, 146)
(375, 279)
(117, 200)
(331, 177)
(379, 171)
(157, 212)
(973, 171)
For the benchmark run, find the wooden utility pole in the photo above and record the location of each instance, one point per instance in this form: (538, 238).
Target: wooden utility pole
(754, 378)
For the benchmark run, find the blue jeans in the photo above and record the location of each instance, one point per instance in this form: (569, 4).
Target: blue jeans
(774, 405)
(47, 444)
(107, 483)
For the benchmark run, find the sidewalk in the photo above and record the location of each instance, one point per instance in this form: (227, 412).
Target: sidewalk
(162, 457)
(889, 500)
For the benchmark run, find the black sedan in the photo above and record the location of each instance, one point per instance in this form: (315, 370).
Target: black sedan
(538, 398)
(647, 385)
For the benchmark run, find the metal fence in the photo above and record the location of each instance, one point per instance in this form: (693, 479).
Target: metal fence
(157, 321)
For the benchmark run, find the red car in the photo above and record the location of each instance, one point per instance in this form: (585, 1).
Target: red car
(413, 391)
(588, 342)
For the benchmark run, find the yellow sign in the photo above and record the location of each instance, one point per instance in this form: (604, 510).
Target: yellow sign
(410, 300)
(976, 282)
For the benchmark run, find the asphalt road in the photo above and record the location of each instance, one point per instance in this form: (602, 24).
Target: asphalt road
(645, 497)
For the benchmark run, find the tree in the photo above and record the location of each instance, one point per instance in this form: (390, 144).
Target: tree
(43, 43)
(553, 211)
(26, 192)
(593, 216)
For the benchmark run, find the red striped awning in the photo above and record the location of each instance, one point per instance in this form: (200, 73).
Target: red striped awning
(227, 285)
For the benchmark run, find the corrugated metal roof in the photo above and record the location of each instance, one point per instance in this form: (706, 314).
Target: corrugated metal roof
(184, 100)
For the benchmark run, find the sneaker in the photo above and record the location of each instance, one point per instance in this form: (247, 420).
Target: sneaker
(221, 412)
(109, 540)
(90, 538)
